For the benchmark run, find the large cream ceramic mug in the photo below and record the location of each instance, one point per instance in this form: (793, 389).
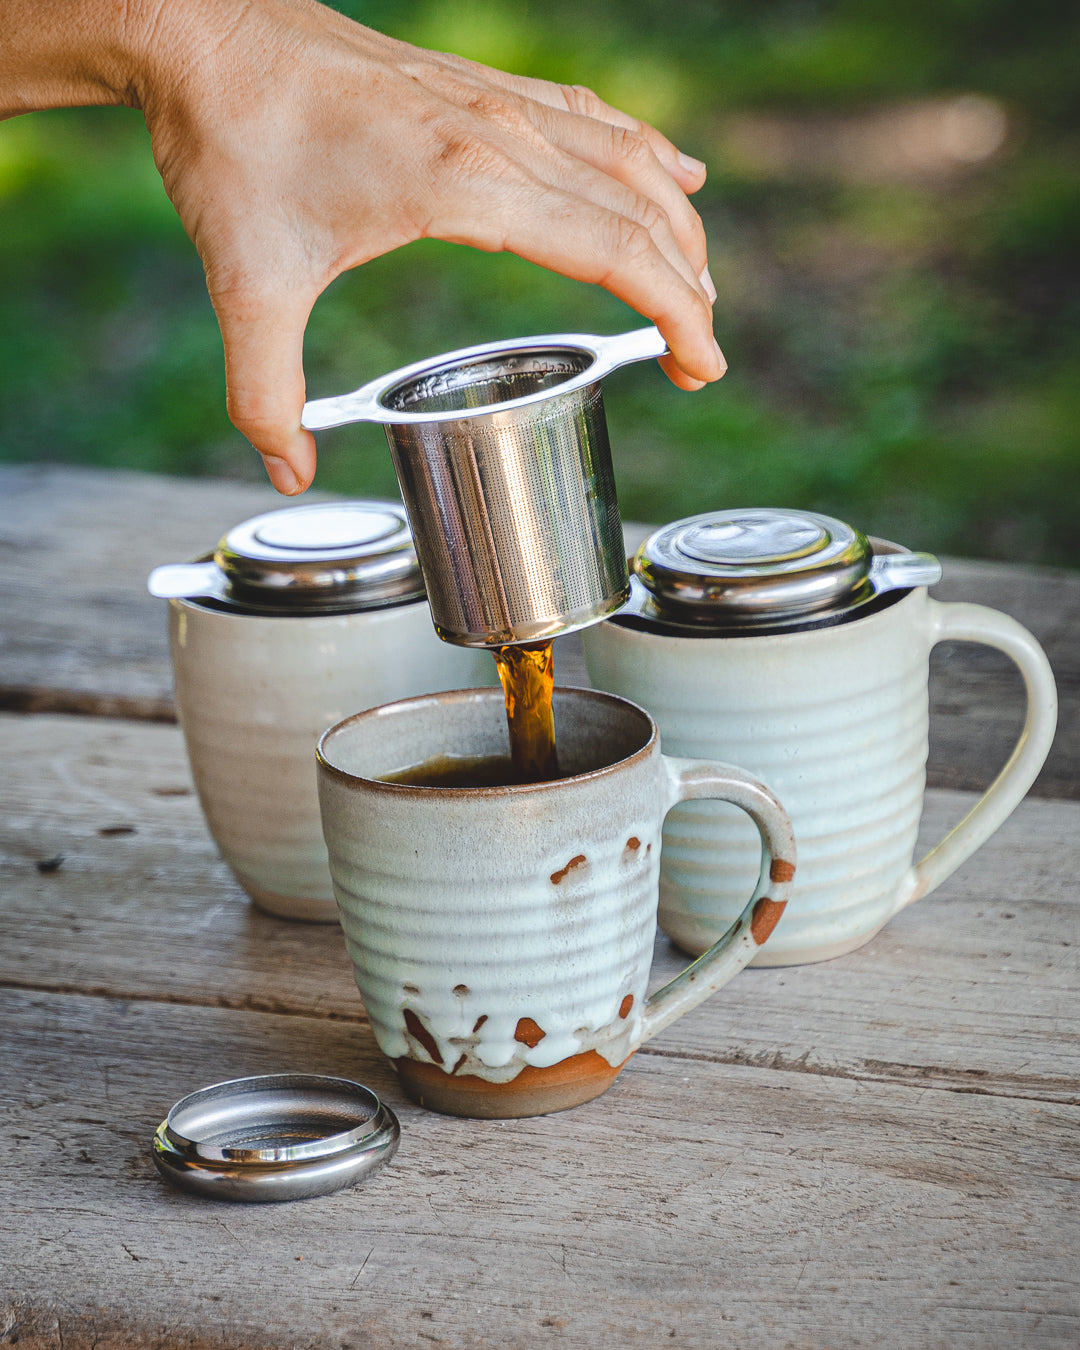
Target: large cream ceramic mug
(835, 721)
(253, 695)
(502, 936)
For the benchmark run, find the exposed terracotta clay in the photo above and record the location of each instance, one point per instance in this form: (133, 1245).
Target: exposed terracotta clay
(633, 844)
(461, 990)
(779, 870)
(625, 1006)
(479, 1022)
(534, 1092)
(528, 1033)
(561, 874)
(420, 1033)
(766, 916)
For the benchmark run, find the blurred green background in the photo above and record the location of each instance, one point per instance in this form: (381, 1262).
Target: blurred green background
(893, 208)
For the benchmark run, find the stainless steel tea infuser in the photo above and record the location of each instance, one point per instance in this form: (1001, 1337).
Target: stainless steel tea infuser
(318, 558)
(502, 456)
(765, 570)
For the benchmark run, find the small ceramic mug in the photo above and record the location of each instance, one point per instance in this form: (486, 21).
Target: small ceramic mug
(502, 936)
(835, 721)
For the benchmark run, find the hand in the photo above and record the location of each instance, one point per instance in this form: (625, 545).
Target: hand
(296, 144)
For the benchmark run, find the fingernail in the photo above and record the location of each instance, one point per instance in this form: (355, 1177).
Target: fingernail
(707, 283)
(691, 165)
(282, 475)
(721, 356)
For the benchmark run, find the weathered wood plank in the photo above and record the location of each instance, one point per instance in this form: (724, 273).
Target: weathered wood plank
(694, 1204)
(976, 693)
(883, 1147)
(79, 633)
(973, 989)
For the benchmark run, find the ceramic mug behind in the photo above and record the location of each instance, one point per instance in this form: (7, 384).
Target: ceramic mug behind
(253, 694)
(835, 721)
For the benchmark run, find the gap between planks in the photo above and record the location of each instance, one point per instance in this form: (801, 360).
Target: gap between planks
(937, 1078)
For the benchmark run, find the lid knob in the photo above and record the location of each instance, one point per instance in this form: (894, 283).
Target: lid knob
(749, 537)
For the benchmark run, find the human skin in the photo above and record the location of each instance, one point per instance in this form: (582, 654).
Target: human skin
(296, 144)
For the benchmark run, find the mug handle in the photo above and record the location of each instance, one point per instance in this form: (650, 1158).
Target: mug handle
(977, 623)
(692, 778)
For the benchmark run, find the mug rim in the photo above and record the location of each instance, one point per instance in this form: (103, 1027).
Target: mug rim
(457, 696)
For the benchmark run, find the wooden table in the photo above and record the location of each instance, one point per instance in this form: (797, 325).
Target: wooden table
(882, 1149)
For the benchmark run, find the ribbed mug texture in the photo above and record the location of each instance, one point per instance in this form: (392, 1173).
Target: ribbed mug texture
(835, 722)
(253, 696)
(504, 927)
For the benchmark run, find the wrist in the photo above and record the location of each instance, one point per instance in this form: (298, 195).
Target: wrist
(71, 53)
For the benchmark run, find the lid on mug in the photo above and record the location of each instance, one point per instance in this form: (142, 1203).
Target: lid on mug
(319, 558)
(765, 569)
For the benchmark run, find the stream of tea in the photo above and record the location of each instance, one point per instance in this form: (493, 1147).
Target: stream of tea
(527, 675)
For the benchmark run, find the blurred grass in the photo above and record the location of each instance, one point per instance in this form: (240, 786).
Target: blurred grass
(903, 341)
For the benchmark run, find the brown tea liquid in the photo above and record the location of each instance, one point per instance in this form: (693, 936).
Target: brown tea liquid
(454, 771)
(527, 674)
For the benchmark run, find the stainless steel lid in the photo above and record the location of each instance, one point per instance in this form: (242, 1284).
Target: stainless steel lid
(275, 1137)
(319, 558)
(765, 569)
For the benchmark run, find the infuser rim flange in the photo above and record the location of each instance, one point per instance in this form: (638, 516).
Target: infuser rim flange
(368, 403)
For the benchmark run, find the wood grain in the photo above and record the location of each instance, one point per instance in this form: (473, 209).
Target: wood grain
(79, 632)
(694, 1204)
(972, 990)
(882, 1148)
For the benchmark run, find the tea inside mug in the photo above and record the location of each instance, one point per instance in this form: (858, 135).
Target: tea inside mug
(391, 742)
(459, 771)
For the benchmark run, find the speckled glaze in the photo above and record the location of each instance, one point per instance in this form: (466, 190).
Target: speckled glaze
(253, 695)
(502, 937)
(835, 721)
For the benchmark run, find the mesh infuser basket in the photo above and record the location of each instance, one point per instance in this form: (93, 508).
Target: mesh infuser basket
(502, 456)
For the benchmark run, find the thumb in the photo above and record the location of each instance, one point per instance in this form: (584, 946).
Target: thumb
(264, 380)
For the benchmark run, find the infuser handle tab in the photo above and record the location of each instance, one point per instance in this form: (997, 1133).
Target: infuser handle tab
(187, 581)
(367, 404)
(361, 405)
(622, 348)
(903, 571)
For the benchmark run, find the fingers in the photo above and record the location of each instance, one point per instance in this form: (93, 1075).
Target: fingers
(264, 377)
(687, 171)
(626, 157)
(586, 197)
(591, 242)
(680, 379)
(635, 188)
